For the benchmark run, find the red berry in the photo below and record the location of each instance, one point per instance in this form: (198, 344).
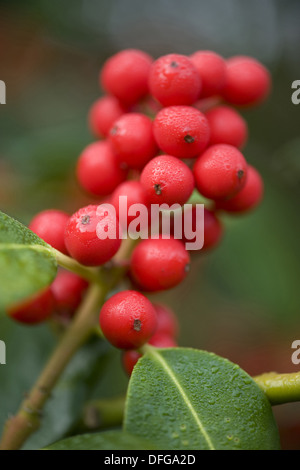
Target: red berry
(160, 340)
(135, 194)
(220, 172)
(68, 290)
(103, 114)
(159, 264)
(99, 170)
(129, 360)
(125, 75)
(167, 323)
(133, 140)
(213, 228)
(174, 80)
(227, 126)
(50, 225)
(167, 180)
(249, 197)
(85, 231)
(248, 82)
(128, 320)
(34, 310)
(212, 70)
(181, 131)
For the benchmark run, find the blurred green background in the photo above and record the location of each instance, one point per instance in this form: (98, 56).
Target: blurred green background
(242, 300)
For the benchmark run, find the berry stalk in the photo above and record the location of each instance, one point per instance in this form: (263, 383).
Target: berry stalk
(89, 274)
(28, 419)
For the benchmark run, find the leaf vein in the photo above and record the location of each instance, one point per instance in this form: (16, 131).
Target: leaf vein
(189, 405)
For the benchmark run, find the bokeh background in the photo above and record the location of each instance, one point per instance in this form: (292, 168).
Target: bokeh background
(242, 300)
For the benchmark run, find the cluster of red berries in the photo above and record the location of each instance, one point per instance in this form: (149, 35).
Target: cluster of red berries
(166, 129)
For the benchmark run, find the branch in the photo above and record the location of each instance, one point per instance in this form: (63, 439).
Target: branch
(27, 421)
(101, 414)
(19, 428)
(280, 388)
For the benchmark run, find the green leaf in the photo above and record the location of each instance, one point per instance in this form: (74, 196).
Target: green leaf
(110, 440)
(189, 399)
(27, 352)
(27, 263)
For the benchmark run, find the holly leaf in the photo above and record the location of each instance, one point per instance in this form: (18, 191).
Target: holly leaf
(27, 263)
(110, 440)
(189, 399)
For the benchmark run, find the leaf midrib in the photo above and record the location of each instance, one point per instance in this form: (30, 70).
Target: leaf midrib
(158, 357)
(19, 246)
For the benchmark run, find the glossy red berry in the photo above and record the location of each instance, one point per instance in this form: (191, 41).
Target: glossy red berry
(104, 112)
(161, 340)
(181, 131)
(50, 225)
(227, 126)
(167, 322)
(159, 264)
(68, 290)
(129, 360)
(248, 82)
(174, 80)
(249, 197)
(212, 70)
(35, 309)
(213, 228)
(125, 75)
(220, 172)
(92, 235)
(168, 180)
(99, 170)
(135, 194)
(132, 139)
(128, 320)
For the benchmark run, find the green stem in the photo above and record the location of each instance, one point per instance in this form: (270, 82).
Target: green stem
(90, 274)
(20, 427)
(101, 414)
(280, 388)
(28, 419)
